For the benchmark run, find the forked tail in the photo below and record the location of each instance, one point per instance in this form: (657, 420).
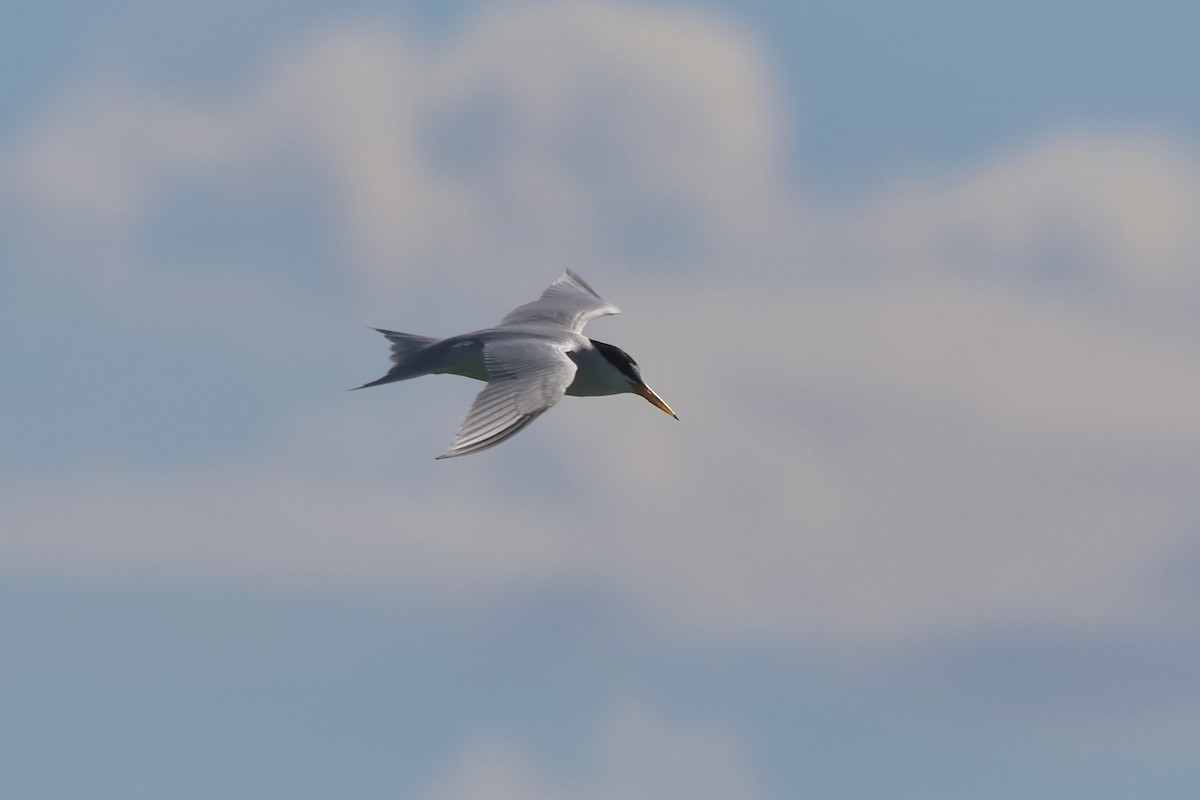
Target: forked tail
(407, 349)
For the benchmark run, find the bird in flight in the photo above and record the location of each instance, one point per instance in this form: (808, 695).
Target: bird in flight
(529, 361)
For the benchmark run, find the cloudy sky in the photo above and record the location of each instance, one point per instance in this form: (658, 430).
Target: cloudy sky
(921, 279)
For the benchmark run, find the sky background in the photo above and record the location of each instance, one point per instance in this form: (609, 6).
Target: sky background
(922, 281)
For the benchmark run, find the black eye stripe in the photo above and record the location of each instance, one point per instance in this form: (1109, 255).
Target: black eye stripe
(619, 359)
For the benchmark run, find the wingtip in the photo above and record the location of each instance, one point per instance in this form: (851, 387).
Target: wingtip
(574, 276)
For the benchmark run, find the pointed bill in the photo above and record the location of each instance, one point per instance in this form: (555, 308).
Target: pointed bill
(648, 393)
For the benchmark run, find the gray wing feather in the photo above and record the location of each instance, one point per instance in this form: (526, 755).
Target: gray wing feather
(524, 379)
(567, 303)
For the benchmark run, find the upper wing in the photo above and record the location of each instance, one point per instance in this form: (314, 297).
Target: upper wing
(567, 303)
(524, 379)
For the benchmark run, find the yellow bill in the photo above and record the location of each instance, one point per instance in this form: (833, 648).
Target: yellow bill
(648, 393)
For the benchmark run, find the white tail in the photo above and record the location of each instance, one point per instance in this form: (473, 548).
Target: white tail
(406, 351)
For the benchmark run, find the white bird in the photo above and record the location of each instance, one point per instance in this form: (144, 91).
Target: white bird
(530, 360)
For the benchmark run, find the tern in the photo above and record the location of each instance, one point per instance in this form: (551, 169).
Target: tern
(530, 360)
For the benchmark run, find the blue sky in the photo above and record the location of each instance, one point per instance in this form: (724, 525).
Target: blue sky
(920, 281)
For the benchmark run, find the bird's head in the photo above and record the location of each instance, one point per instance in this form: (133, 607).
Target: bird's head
(628, 368)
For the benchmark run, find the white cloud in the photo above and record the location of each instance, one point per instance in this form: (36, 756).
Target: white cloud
(883, 492)
(543, 135)
(496, 770)
(1101, 212)
(637, 754)
(943, 416)
(276, 528)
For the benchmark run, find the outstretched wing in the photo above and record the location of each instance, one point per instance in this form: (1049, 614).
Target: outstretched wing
(567, 303)
(525, 377)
